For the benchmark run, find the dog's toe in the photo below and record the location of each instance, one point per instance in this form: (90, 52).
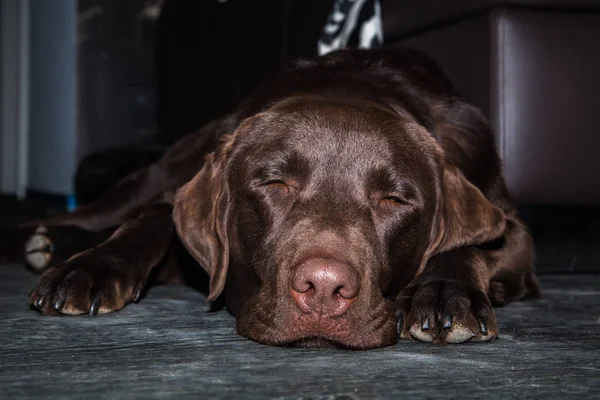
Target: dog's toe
(421, 332)
(459, 334)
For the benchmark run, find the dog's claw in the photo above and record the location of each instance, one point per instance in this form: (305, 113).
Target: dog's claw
(483, 325)
(425, 324)
(447, 323)
(94, 307)
(39, 302)
(137, 293)
(399, 323)
(58, 304)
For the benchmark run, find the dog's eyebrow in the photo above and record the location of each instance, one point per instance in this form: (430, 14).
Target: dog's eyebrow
(282, 163)
(387, 180)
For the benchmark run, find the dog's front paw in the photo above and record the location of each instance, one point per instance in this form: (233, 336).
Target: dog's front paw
(445, 312)
(85, 285)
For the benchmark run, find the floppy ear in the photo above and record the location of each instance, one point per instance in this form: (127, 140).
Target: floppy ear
(200, 214)
(467, 217)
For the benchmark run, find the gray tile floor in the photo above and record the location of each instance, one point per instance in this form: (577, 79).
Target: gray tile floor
(170, 346)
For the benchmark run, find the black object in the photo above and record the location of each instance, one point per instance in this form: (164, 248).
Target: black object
(99, 172)
(211, 55)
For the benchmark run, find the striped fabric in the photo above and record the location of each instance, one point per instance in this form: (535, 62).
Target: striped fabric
(352, 23)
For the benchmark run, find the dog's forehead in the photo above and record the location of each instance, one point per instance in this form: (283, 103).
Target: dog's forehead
(334, 130)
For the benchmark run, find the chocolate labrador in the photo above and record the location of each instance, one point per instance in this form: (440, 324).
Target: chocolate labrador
(353, 201)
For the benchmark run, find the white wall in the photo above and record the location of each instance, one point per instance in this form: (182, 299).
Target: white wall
(14, 95)
(37, 95)
(52, 108)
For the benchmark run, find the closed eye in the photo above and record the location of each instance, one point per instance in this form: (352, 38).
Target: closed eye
(279, 184)
(274, 182)
(392, 200)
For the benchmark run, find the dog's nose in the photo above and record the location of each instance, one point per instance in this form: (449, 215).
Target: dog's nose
(324, 286)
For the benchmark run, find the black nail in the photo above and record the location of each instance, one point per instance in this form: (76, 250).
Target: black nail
(94, 307)
(425, 324)
(483, 325)
(38, 303)
(137, 293)
(58, 304)
(400, 323)
(447, 322)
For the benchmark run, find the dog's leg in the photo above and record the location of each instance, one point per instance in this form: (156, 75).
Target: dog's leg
(110, 275)
(449, 302)
(136, 189)
(512, 273)
(176, 167)
(41, 247)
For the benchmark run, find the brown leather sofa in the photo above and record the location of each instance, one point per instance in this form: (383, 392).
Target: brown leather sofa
(533, 66)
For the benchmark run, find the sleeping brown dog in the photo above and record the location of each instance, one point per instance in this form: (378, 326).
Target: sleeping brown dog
(354, 200)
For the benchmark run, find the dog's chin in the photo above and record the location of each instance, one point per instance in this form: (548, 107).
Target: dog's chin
(287, 327)
(316, 342)
(320, 342)
(382, 339)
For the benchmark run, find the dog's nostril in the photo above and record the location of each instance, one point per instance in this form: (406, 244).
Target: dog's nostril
(347, 293)
(303, 287)
(324, 286)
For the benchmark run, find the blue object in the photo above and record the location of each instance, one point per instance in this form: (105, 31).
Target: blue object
(71, 202)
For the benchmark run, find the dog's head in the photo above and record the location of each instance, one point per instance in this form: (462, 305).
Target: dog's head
(313, 215)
